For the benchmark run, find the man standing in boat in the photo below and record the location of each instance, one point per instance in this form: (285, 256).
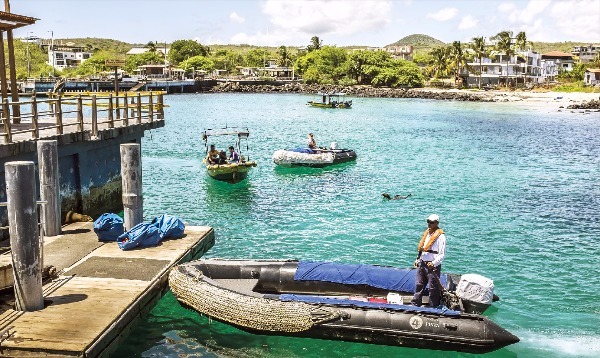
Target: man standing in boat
(432, 250)
(312, 144)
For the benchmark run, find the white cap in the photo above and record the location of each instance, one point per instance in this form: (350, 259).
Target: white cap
(433, 217)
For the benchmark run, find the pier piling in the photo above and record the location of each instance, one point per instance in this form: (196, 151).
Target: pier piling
(25, 242)
(47, 151)
(131, 175)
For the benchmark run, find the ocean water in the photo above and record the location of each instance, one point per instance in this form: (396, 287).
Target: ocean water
(515, 185)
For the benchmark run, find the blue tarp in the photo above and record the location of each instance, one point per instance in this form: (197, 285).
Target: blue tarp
(352, 303)
(301, 150)
(387, 278)
(149, 234)
(108, 227)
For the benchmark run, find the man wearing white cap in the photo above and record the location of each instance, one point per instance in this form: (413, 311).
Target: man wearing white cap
(432, 250)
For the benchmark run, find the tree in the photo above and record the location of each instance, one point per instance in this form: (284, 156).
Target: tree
(365, 65)
(96, 63)
(181, 50)
(198, 63)
(521, 42)
(325, 66)
(315, 44)
(459, 58)
(147, 58)
(151, 46)
(504, 45)
(256, 57)
(399, 73)
(284, 56)
(480, 51)
(440, 61)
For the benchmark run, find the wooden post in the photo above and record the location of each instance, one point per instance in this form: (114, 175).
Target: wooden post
(14, 92)
(132, 113)
(94, 117)
(25, 242)
(139, 108)
(80, 113)
(117, 111)
(34, 118)
(111, 123)
(59, 118)
(3, 79)
(47, 151)
(161, 108)
(150, 107)
(131, 180)
(7, 126)
(125, 111)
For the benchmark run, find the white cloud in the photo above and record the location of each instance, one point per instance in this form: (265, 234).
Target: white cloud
(468, 22)
(341, 17)
(506, 7)
(444, 14)
(531, 11)
(272, 38)
(236, 18)
(577, 19)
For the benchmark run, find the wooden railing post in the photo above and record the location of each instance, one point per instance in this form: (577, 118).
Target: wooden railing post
(80, 113)
(7, 126)
(132, 113)
(125, 111)
(139, 108)
(118, 113)
(150, 108)
(94, 117)
(161, 108)
(111, 123)
(59, 118)
(34, 118)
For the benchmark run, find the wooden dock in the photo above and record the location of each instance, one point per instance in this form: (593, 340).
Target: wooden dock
(100, 293)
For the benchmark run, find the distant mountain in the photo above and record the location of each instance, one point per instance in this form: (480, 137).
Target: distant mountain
(418, 40)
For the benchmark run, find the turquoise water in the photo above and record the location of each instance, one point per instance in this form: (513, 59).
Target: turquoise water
(515, 187)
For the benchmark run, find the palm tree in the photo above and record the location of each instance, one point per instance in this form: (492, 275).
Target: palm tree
(458, 57)
(520, 43)
(315, 44)
(440, 60)
(151, 46)
(480, 51)
(504, 45)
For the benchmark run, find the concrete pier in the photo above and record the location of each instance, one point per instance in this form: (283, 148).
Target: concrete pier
(48, 173)
(99, 294)
(131, 176)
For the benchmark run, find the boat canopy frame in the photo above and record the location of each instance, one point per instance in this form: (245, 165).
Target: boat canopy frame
(239, 132)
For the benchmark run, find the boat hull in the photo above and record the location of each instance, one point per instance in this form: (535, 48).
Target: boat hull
(229, 291)
(320, 159)
(231, 173)
(343, 105)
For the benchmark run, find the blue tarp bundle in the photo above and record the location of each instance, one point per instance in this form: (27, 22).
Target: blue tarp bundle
(352, 303)
(108, 227)
(387, 278)
(302, 150)
(149, 234)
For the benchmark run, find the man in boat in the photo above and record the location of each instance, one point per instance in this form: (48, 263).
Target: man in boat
(212, 157)
(234, 157)
(432, 250)
(312, 144)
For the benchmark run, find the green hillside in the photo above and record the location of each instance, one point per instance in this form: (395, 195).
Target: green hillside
(418, 40)
(96, 44)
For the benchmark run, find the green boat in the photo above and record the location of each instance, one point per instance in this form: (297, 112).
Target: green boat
(331, 100)
(229, 171)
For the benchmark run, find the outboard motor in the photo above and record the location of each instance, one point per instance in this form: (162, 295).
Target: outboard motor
(476, 292)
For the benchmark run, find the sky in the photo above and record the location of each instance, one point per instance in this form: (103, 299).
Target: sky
(373, 23)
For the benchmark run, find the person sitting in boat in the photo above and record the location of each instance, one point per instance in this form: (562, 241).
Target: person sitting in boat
(432, 250)
(234, 157)
(312, 144)
(212, 157)
(222, 157)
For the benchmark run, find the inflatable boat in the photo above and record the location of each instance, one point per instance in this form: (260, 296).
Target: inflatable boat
(350, 302)
(318, 158)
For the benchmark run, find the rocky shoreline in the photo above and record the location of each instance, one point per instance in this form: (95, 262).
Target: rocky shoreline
(421, 93)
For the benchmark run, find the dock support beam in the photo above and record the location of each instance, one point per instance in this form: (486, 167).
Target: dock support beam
(48, 171)
(131, 176)
(25, 242)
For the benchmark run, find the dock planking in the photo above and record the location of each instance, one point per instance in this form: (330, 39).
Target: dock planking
(100, 293)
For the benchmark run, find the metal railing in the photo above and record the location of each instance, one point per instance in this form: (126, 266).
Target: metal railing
(62, 112)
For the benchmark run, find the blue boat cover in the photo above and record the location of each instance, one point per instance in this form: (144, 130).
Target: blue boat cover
(387, 278)
(352, 303)
(149, 234)
(301, 150)
(108, 227)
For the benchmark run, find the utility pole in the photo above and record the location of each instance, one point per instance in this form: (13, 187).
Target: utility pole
(28, 56)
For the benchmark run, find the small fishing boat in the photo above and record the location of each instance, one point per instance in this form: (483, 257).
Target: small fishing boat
(331, 100)
(350, 302)
(317, 158)
(225, 170)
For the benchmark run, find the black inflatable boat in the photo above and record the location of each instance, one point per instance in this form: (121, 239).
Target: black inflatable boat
(360, 303)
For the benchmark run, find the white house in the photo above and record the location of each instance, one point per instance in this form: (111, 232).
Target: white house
(563, 61)
(524, 67)
(587, 53)
(67, 55)
(592, 76)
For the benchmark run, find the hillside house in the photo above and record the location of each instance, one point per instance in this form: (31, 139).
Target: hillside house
(563, 61)
(61, 56)
(525, 67)
(587, 53)
(400, 52)
(591, 77)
